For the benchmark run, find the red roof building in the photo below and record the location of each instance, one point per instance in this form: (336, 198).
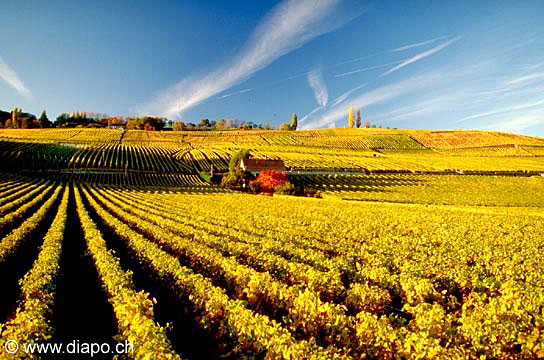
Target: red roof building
(255, 166)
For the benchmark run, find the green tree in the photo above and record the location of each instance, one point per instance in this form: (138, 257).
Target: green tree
(235, 175)
(204, 123)
(358, 118)
(44, 120)
(62, 119)
(351, 118)
(285, 127)
(234, 162)
(4, 117)
(233, 179)
(205, 175)
(294, 122)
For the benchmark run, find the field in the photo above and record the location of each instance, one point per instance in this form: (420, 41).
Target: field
(432, 189)
(425, 245)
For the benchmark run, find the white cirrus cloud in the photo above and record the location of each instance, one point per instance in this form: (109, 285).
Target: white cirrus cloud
(368, 68)
(402, 48)
(518, 124)
(315, 80)
(234, 93)
(379, 95)
(303, 119)
(358, 58)
(419, 44)
(421, 55)
(285, 28)
(532, 66)
(345, 95)
(10, 76)
(506, 109)
(526, 78)
(431, 105)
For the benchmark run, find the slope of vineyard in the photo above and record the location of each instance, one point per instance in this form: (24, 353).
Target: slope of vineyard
(431, 189)
(190, 152)
(62, 135)
(394, 280)
(423, 246)
(535, 150)
(490, 151)
(469, 161)
(471, 139)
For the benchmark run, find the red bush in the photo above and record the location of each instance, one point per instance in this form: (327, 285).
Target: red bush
(270, 179)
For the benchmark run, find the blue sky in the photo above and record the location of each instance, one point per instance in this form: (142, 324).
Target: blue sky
(411, 65)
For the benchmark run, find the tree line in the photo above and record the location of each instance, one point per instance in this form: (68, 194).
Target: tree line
(293, 126)
(221, 124)
(356, 121)
(83, 119)
(17, 119)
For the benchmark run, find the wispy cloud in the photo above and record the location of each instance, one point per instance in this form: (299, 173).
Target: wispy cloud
(418, 44)
(315, 80)
(518, 123)
(303, 119)
(358, 59)
(291, 77)
(367, 69)
(523, 84)
(526, 78)
(234, 93)
(507, 109)
(440, 103)
(10, 76)
(406, 47)
(335, 102)
(379, 95)
(421, 55)
(505, 93)
(533, 66)
(345, 95)
(288, 26)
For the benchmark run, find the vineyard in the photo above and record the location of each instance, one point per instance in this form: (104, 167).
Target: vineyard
(117, 152)
(294, 287)
(111, 235)
(431, 189)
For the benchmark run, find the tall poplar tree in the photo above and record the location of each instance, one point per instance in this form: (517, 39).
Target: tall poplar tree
(358, 118)
(16, 118)
(351, 117)
(294, 122)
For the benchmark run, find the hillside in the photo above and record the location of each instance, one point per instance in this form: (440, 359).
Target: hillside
(413, 248)
(354, 138)
(158, 154)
